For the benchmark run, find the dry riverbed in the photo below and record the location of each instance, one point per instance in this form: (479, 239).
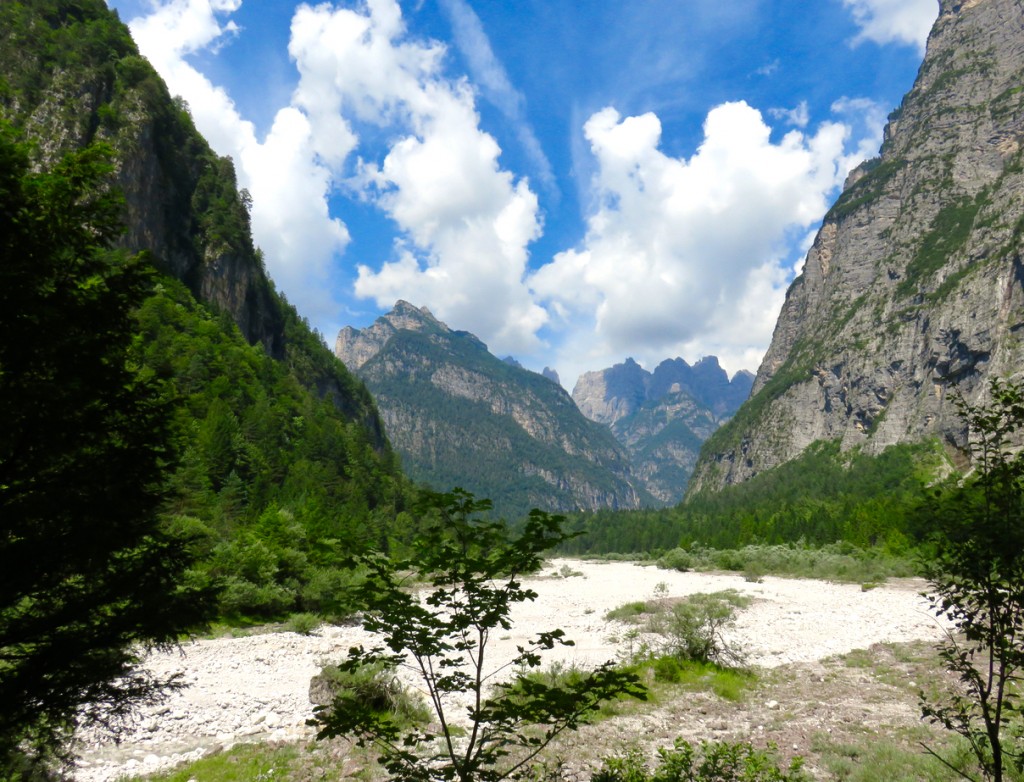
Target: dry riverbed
(255, 688)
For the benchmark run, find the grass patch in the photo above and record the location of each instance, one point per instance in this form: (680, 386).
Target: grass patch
(948, 235)
(882, 758)
(629, 612)
(730, 684)
(256, 763)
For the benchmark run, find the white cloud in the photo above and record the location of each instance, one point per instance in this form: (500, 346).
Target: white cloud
(867, 119)
(287, 178)
(466, 222)
(689, 256)
(682, 256)
(798, 117)
(894, 21)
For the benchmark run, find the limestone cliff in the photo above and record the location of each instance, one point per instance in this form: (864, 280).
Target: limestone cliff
(913, 287)
(71, 75)
(460, 416)
(662, 417)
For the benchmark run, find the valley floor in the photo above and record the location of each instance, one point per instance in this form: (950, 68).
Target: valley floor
(255, 688)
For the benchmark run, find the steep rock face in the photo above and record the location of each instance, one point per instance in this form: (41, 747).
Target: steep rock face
(71, 75)
(662, 417)
(913, 287)
(461, 416)
(606, 395)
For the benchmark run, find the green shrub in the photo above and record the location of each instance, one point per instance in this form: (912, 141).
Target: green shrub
(676, 559)
(303, 623)
(243, 599)
(375, 687)
(710, 762)
(693, 629)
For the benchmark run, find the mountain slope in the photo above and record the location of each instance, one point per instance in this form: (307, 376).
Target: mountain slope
(70, 75)
(912, 290)
(662, 418)
(461, 416)
(282, 468)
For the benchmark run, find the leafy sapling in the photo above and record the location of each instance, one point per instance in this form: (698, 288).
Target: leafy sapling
(976, 576)
(470, 569)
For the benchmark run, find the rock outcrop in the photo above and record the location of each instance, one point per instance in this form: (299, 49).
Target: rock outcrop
(914, 287)
(460, 416)
(662, 418)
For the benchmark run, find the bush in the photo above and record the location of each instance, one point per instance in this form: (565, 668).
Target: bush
(374, 687)
(677, 559)
(243, 599)
(628, 612)
(303, 624)
(693, 629)
(711, 762)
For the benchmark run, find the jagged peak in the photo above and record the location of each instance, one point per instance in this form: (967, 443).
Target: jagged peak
(408, 316)
(708, 361)
(743, 374)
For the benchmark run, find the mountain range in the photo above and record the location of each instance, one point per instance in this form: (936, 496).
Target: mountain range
(458, 415)
(663, 417)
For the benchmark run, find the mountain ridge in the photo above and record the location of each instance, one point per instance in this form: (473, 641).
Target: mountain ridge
(71, 76)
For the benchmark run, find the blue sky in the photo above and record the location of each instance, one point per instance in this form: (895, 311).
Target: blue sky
(574, 183)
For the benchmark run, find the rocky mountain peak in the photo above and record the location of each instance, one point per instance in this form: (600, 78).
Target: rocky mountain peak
(357, 346)
(460, 416)
(662, 417)
(607, 395)
(913, 289)
(408, 316)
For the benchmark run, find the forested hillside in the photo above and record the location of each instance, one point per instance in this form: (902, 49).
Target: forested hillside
(281, 466)
(822, 497)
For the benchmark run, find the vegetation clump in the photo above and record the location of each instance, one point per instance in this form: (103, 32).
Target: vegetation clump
(706, 762)
(89, 579)
(691, 630)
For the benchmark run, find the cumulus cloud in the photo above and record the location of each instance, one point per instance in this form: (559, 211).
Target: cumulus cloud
(866, 119)
(894, 21)
(688, 256)
(682, 255)
(465, 222)
(287, 175)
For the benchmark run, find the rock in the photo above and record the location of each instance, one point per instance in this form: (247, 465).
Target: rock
(662, 418)
(914, 287)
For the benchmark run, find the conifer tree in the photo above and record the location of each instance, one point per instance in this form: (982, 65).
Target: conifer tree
(87, 579)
